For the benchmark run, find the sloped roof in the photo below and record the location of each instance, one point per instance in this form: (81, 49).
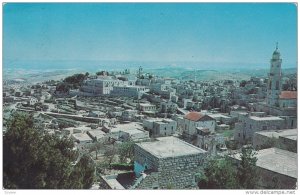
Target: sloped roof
(197, 116)
(288, 95)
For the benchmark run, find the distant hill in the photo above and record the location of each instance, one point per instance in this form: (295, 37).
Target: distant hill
(202, 75)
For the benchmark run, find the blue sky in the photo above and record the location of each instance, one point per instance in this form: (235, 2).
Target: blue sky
(214, 33)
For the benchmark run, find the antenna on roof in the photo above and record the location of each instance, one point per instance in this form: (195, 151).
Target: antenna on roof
(276, 45)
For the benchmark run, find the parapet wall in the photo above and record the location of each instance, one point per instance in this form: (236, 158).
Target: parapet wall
(177, 172)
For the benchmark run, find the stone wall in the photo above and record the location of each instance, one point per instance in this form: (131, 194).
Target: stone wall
(177, 179)
(176, 172)
(145, 158)
(272, 180)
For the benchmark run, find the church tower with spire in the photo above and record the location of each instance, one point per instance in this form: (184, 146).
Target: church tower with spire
(274, 85)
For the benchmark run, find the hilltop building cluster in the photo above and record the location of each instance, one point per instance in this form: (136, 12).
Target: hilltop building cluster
(175, 125)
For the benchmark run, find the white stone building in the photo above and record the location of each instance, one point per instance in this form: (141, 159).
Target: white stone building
(129, 131)
(159, 127)
(100, 86)
(98, 135)
(196, 119)
(82, 138)
(146, 107)
(129, 91)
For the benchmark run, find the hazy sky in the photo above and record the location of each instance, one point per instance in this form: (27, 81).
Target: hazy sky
(229, 33)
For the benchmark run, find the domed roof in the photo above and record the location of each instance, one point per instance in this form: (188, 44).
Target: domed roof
(194, 116)
(276, 52)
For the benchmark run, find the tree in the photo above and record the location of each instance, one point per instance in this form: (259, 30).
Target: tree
(96, 147)
(110, 153)
(243, 83)
(125, 151)
(63, 87)
(102, 73)
(219, 173)
(32, 160)
(247, 172)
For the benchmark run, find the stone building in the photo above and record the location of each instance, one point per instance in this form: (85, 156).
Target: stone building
(210, 142)
(277, 168)
(249, 124)
(274, 85)
(284, 139)
(288, 99)
(167, 162)
(97, 135)
(82, 138)
(129, 131)
(129, 91)
(159, 127)
(168, 107)
(193, 120)
(129, 115)
(144, 107)
(100, 86)
(32, 101)
(278, 102)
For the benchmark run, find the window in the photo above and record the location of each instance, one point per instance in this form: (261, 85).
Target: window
(270, 84)
(277, 85)
(264, 127)
(292, 123)
(250, 126)
(239, 135)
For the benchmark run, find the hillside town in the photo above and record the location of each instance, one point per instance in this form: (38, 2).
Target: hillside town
(144, 131)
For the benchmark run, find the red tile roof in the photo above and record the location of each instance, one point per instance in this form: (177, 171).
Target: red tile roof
(194, 116)
(288, 95)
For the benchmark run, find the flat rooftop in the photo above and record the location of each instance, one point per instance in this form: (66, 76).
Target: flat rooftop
(127, 127)
(97, 133)
(267, 118)
(146, 104)
(133, 131)
(82, 137)
(218, 115)
(276, 160)
(170, 147)
(288, 133)
(291, 137)
(163, 120)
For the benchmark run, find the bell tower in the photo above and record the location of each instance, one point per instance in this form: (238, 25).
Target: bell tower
(274, 85)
